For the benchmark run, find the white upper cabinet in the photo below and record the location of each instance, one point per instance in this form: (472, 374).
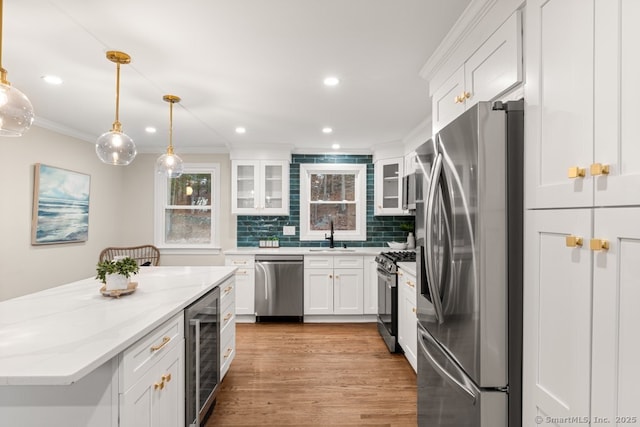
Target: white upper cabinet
(260, 187)
(493, 69)
(559, 103)
(388, 186)
(617, 88)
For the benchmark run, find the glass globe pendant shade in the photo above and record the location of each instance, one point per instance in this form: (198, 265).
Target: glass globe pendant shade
(115, 148)
(170, 165)
(16, 111)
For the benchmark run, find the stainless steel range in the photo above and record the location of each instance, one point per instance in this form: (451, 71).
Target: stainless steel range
(388, 295)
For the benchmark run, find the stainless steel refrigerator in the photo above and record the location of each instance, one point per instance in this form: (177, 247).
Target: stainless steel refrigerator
(469, 215)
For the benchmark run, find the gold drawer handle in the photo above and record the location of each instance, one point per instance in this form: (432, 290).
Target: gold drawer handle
(166, 377)
(164, 342)
(228, 352)
(227, 316)
(573, 241)
(228, 289)
(599, 169)
(576, 172)
(413, 309)
(159, 385)
(240, 262)
(599, 245)
(242, 273)
(410, 283)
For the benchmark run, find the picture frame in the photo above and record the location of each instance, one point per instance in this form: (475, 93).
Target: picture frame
(60, 206)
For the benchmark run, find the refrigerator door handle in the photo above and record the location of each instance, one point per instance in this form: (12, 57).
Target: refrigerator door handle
(467, 390)
(431, 200)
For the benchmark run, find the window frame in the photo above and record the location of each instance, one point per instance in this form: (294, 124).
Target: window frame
(160, 204)
(360, 172)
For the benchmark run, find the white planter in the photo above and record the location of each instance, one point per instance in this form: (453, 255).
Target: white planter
(116, 281)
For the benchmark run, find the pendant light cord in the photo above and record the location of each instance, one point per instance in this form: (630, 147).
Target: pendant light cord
(117, 126)
(3, 72)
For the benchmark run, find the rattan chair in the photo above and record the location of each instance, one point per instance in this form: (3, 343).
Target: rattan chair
(144, 255)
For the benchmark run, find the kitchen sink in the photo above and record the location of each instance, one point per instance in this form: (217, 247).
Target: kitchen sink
(331, 250)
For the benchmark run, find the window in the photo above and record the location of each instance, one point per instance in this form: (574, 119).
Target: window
(333, 192)
(187, 209)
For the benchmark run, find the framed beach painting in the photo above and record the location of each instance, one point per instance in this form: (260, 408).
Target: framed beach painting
(60, 206)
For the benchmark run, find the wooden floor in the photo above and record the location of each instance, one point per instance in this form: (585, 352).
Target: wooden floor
(315, 375)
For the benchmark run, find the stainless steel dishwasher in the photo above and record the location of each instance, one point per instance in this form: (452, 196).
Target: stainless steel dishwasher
(279, 286)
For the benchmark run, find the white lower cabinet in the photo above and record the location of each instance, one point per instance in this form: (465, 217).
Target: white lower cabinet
(370, 285)
(227, 327)
(338, 288)
(407, 320)
(152, 378)
(580, 315)
(245, 282)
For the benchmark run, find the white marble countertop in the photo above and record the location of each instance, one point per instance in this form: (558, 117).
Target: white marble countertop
(409, 267)
(308, 251)
(59, 335)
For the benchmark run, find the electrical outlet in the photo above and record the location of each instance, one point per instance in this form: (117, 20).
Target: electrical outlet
(289, 230)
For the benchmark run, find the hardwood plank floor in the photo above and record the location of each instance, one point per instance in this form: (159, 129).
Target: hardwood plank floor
(307, 374)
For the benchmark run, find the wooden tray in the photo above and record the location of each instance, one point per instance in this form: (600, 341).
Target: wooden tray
(117, 293)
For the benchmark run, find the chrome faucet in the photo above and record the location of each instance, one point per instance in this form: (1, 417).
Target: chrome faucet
(330, 237)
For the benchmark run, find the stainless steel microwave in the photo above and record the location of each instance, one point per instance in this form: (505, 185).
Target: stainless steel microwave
(409, 192)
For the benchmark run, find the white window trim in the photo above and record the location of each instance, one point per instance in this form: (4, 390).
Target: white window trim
(160, 194)
(306, 169)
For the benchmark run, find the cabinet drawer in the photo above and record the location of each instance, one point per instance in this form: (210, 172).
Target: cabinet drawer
(141, 356)
(348, 262)
(239, 261)
(227, 319)
(318, 262)
(227, 293)
(227, 351)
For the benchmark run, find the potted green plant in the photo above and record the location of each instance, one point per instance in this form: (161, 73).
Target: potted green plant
(116, 274)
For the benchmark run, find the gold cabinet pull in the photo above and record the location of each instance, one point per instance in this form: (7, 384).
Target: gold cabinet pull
(330, 276)
(410, 283)
(599, 169)
(239, 262)
(457, 99)
(573, 241)
(400, 273)
(599, 245)
(227, 316)
(413, 309)
(164, 342)
(466, 95)
(158, 386)
(166, 377)
(576, 172)
(228, 289)
(227, 353)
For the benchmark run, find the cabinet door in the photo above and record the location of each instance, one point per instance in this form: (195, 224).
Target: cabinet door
(318, 291)
(245, 187)
(559, 103)
(348, 294)
(446, 101)
(407, 320)
(617, 87)
(388, 186)
(557, 315)
(274, 186)
(157, 399)
(616, 317)
(370, 285)
(245, 282)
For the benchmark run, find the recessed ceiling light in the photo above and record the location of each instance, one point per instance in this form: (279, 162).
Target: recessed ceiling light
(52, 80)
(150, 129)
(335, 146)
(327, 130)
(331, 81)
(240, 129)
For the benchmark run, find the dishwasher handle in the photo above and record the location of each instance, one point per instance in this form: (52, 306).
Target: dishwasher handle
(279, 258)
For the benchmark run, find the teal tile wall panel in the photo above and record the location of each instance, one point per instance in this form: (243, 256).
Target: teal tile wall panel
(380, 229)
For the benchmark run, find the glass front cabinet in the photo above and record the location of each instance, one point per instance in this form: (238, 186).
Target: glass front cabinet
(388, 186)
(260, 187)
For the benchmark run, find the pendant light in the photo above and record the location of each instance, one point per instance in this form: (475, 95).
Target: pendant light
(16, 112)
(170, 164)
(115, 147)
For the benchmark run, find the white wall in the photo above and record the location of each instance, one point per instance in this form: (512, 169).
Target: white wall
(120, 212)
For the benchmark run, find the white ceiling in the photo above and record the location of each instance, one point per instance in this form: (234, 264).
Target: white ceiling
(252, 63)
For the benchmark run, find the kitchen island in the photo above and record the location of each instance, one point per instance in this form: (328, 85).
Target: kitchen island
(61, 349)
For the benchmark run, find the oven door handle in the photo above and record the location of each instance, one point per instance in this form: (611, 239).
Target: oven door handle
(386, 276)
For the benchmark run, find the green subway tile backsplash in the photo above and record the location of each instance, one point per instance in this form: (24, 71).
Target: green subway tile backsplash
(380, 229)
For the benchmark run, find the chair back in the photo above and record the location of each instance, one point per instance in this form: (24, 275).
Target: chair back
(144, 255)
